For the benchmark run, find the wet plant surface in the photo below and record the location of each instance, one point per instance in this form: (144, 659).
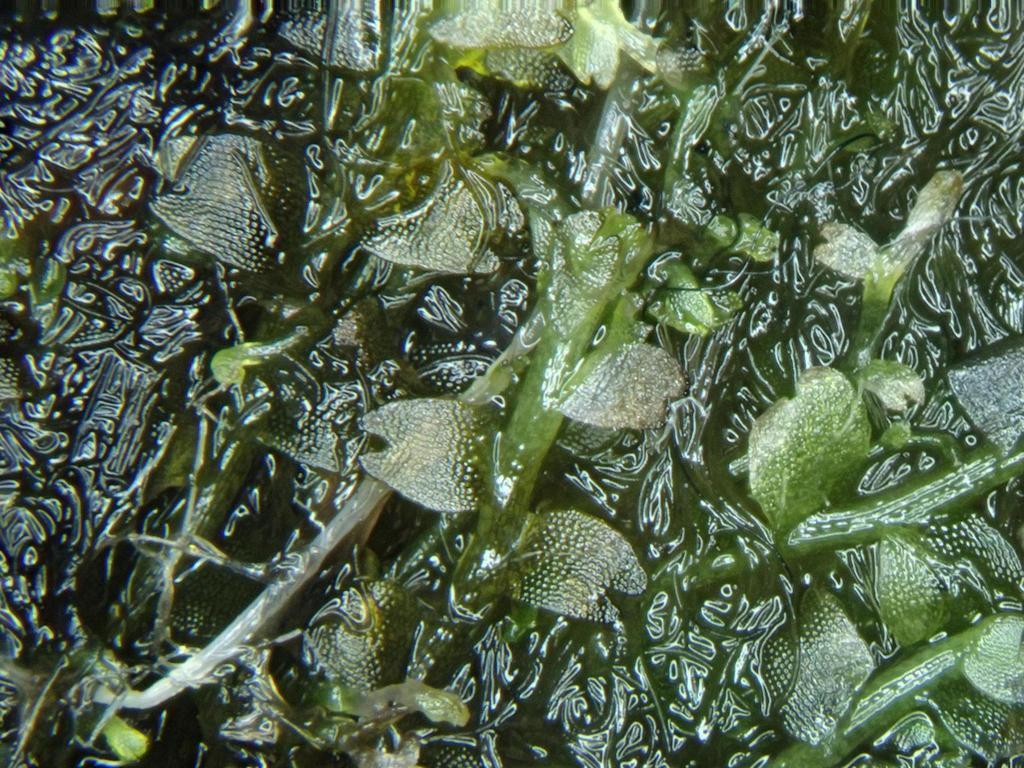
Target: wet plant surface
(494, 384)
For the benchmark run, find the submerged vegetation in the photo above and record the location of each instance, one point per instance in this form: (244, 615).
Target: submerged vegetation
(476, 383)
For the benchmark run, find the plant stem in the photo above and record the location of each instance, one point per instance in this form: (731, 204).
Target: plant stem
(866, 520)
(259, 614)
(874, 309)
(572, 314)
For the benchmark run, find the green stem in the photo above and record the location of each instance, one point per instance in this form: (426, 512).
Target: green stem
(572, 313)
(866, 520)
(873, 311)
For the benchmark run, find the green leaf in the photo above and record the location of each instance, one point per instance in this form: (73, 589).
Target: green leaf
(683, 305)
(15, 262)
(128, 743)
(229, 365)
(587, 254)
(601, 34)
(801, 448)
(911, 598)
(746, 234)
(897, 386)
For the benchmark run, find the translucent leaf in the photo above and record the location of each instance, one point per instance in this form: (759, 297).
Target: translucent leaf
(433, 452)
(570, 560)
(356, 39)
(826, 667)
(682, 66)
(976, 546)
(995, 662)
(9, 379)
(360, 639)
(10, 367)
(896, 386)
(215, 203)
(228, 365)
(990, 387)
(847, 250)
(440, 755)
(405, 755)
(436, 705)
(629, 388)
(353, 41)
(308, 421)
(528, 68)
(989, 728)
(934, 206)
(600, 33)
(446, 232)
(490, 24)
(911, 598)
(801, 448)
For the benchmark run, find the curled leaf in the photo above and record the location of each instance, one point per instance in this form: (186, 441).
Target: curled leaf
(628, 388)
(896, 386)
(436, 705)
(995, 662)
(433, 452)
(360, 639)
(934, 206)
(815, 677)
(570, 561)
(850, 251)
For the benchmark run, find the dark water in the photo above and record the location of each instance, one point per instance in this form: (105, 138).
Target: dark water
(174, 183)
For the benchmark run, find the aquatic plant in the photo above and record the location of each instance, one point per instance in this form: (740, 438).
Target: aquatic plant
(473, 383)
